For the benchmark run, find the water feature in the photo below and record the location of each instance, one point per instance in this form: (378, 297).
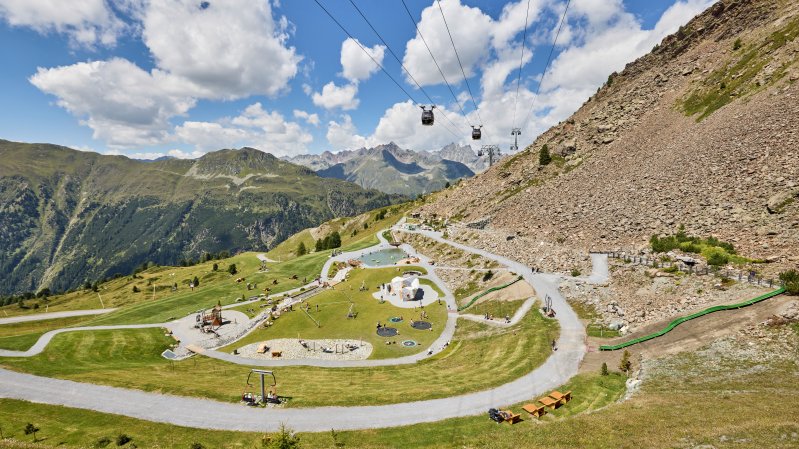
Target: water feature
(383, 257)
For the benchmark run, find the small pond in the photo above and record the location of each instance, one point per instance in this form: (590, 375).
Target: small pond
(383, 257)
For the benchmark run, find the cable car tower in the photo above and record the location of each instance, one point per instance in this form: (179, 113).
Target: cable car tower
(515, 133)
(492, 151)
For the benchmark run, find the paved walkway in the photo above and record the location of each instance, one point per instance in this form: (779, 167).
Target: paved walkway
(53, 315)
(202, 413)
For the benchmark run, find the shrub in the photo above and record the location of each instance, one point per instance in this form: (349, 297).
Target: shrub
(196, 446)
(135, 289)
(215, 267)
(604, 370)
(123, 439)
(717, 257)
(196, 281)
(31, 429)
(488, 275)
(544, 158)
(737, 44)
(791, 280)
(575, 272)
(285, 438)
(102, 442)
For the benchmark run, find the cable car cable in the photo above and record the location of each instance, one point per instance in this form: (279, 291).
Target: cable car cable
(416, 103)
(521, 58)
(455, 97)
(432, 102)
(549, 59)
(477, 109)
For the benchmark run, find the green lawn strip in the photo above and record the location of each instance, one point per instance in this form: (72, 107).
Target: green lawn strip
(497, 309)
(130, 359)
(226, 290)
(21, 336)
(333, 308)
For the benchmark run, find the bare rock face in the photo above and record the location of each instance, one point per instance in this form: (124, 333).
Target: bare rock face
(647, 152)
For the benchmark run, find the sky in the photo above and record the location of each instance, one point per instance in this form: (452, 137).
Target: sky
(148, 78)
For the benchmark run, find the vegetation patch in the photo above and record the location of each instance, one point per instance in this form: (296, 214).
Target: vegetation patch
(715, 251)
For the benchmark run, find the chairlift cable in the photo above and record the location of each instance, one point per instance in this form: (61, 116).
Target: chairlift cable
(521, 58)
(549, 60)
(477, 109)
(455, 97)
(432, 102)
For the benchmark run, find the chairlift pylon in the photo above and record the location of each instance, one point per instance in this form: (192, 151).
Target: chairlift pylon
(427, 115)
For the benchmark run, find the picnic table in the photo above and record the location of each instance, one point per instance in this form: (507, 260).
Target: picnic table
(549, 402)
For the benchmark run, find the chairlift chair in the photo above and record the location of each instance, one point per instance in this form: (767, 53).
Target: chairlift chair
(427, 115)
(476, 132)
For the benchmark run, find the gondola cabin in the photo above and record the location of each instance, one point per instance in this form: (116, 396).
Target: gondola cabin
(476, 132)
(427, 115)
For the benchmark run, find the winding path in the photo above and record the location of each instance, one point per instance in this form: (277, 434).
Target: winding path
(53, 315)
(202, 413)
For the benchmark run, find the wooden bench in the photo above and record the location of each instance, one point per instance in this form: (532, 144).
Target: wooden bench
(549, 402)
(510, 417)
(277, 353)
(561, 398)
(534, 410)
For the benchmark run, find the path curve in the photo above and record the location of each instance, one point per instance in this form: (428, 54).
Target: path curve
(54, 315)
(44, 340)
(202, 413)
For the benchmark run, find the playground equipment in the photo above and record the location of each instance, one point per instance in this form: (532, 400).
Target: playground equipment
(266, 397)
(679, 321)
(548, 307)
(209, 320)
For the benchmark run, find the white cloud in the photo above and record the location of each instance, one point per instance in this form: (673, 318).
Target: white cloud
(356, 64)
(208, 136)
(344, 136)
(333, 96)
(231, 49)
(471, 31)
(124, 105)
(311, 119)
(85, 22)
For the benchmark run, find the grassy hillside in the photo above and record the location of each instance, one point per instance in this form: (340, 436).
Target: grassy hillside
(68, 216)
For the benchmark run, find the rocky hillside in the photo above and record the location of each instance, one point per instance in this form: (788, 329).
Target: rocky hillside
(67, 216)
(391, 169)
(703, 131)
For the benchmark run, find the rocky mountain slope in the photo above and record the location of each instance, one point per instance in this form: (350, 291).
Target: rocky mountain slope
(703, 131)
(392, 169)
(67, 216)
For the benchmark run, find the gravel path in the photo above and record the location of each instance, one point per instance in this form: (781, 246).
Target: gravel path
(53, 315)
(44, 340)
(201, 413)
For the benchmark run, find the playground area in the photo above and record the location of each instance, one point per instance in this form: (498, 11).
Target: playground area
(296, 349)
(351, 312)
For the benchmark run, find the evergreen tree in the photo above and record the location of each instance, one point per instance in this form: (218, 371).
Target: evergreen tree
(318, 246)
(135, 289)
(196, 281)
(95, 286)
(544, 158)
(604, 369)
(215, 267)
(625, 365)
(335, 240)
(301, 250)
(232, 269)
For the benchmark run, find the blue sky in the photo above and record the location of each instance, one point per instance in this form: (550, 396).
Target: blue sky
(151, 77)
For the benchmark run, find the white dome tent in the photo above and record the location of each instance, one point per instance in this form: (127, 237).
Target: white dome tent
(408, 288)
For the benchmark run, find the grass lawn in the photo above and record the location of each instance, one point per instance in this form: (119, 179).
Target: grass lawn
(691, 404)
(496, 308)
(130, 358)
(21, 336)
(333, 307)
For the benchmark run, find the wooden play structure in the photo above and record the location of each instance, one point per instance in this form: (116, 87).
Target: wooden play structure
(210, 319)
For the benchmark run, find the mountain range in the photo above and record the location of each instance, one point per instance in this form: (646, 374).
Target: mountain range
(392, 169)
(68, 216)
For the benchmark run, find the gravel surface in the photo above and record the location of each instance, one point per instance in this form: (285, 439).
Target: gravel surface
(293, 350)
